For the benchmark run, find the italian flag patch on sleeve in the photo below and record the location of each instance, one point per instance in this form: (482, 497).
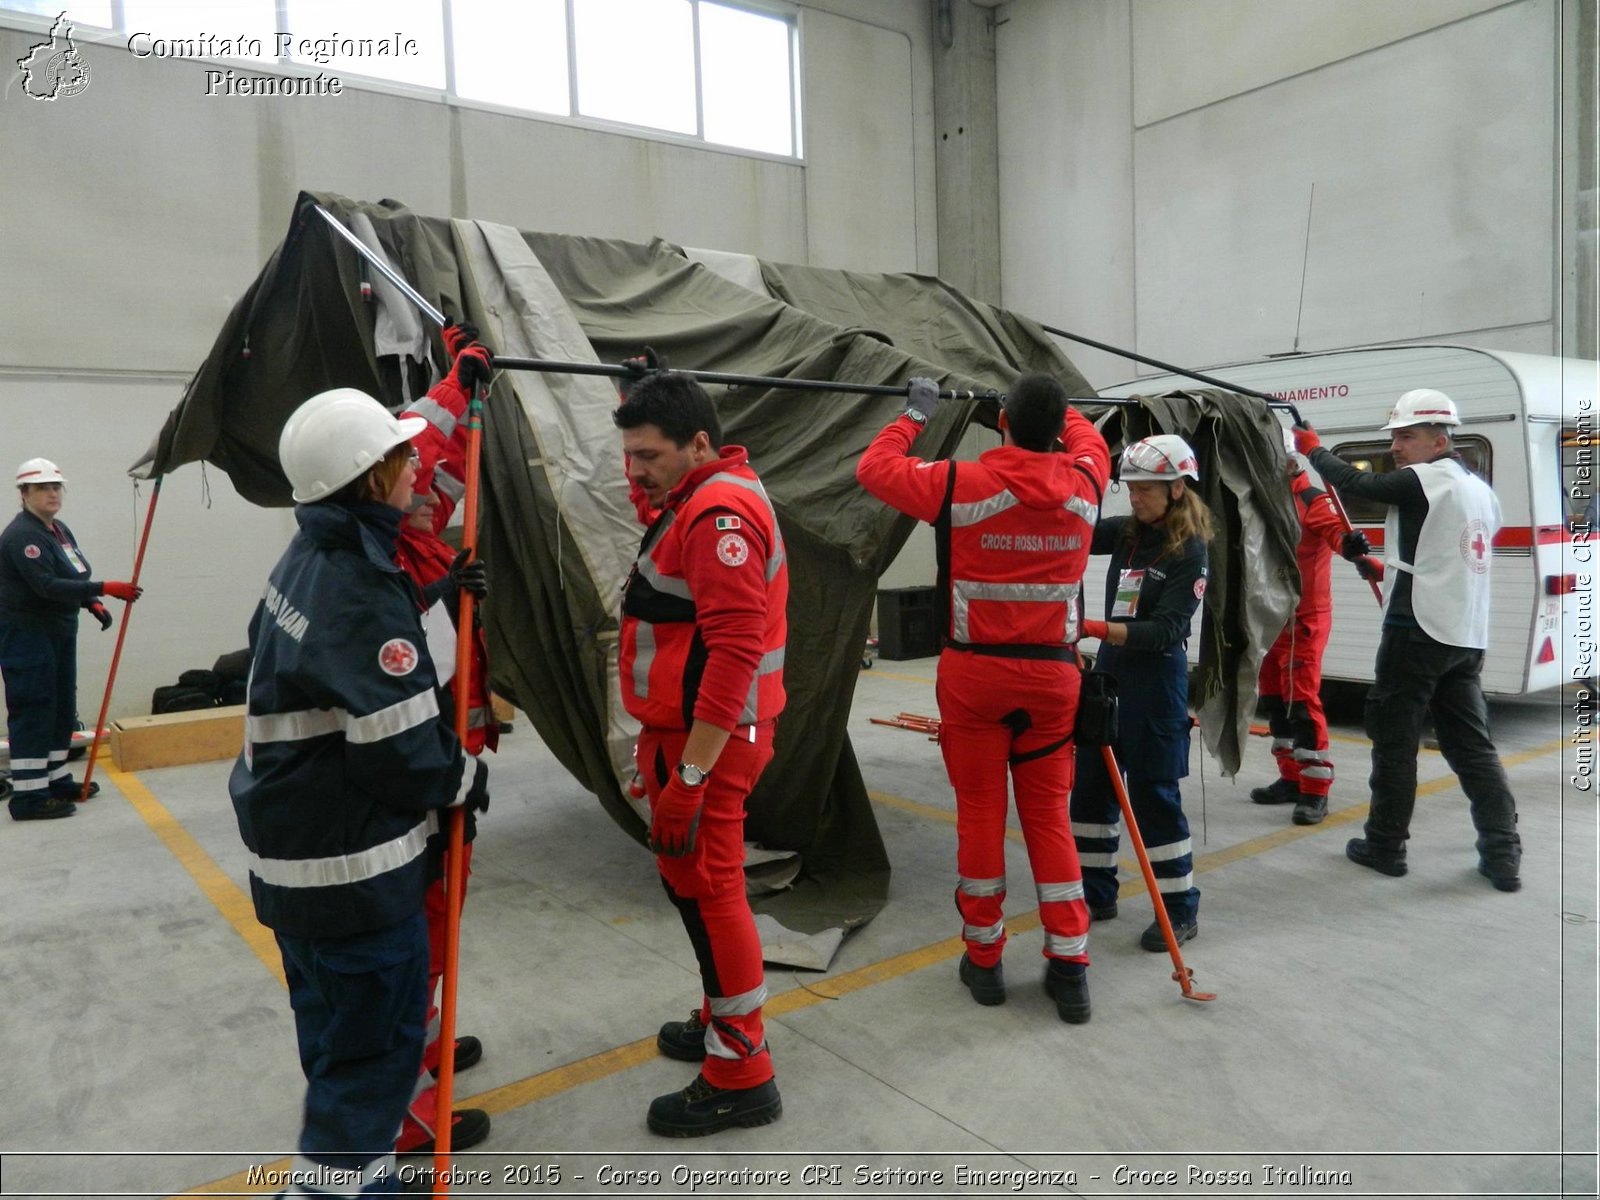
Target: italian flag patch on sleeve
(726, 523)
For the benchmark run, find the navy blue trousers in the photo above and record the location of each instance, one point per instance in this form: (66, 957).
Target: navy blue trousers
(41, 678)
(360, 1006)
(1097, 829)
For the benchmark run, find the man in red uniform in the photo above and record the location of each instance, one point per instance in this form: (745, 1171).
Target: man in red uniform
(703, 631)
(1291, 673)
(1013, 534)
(440, 574)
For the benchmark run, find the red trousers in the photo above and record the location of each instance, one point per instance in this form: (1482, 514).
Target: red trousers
(424, 1107)
(1000, 717)
(707, 888)
(1291, 683)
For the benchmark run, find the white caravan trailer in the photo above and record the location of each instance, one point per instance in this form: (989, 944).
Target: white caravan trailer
(1528, 426)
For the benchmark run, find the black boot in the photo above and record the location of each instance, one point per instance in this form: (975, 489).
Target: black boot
(701, 1108)
(1279, 791)
(1504, 875)
(1385, 862)
(683, 1040)
(1310, 810)
(40, 808)
(1103, 912)
(987, 984)
(1182, 931)
(469, 1051)
(468, 1127)
(1068, 985)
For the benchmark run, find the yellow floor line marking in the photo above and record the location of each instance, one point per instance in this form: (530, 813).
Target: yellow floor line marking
(896, 675)
(235, 907)
(599, 1066)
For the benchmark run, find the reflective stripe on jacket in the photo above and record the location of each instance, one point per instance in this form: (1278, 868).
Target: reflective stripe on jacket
(704, 610)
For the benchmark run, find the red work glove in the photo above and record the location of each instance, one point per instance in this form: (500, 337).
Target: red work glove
(458, 336)
(102, 614)
(1092, 629)
(1369, 569)
(675, 818)
(118, 590)
(1306, 439)
(474, 365)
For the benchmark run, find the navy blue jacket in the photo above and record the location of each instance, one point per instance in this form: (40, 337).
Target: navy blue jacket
(345, 752)
(1152, 668)
(40, 588)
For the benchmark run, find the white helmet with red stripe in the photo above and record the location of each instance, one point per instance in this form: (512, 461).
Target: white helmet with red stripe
(39, 470)
(1423, 406)
(1164, 458)
(336, 436)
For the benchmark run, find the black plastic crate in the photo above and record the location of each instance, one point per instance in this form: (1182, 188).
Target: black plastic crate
(906, 623)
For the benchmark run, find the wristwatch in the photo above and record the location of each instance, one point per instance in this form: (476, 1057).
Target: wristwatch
(691, 775)
(917, 415)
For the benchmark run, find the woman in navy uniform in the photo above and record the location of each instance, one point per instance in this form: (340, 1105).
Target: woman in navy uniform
(1156, 581)
(44, 581)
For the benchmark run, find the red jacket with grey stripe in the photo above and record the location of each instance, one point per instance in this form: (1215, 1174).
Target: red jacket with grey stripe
(703, 612)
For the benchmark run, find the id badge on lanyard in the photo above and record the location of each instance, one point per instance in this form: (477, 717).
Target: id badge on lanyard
(1126, 603)
(74, 557)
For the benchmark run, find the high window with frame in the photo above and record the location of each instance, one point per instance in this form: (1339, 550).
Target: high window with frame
(1377, 458)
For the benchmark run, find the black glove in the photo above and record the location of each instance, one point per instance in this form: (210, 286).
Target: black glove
(474, 366)
(643, 365)
(469, 576)
(922, 395)
(100, 613)
(477, 798)
(1354, 545)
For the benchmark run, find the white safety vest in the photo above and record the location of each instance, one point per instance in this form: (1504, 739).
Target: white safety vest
(1450, 577)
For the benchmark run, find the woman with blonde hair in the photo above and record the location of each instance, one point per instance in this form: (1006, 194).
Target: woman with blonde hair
(1156, 580)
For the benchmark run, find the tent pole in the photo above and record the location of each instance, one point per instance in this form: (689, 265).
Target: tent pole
(122, 633)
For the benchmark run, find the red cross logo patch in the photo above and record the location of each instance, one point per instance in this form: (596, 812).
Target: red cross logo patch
(397, 657)
(1476, 546)
(31, 550)
(733, 550)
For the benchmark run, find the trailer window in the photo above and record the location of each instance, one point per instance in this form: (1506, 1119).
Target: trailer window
(1375, 457)
(1578, 479)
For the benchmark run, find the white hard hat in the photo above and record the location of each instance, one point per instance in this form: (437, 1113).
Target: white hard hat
(39, 470)
(336, 436)
(1423, 406)
(1162, 458)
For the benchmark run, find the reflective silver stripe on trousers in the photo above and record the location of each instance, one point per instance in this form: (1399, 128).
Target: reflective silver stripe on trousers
(1181, 884)
(973, 511)
(315, 722)
(1088, 830)
(1057, 946)
(984, 935)
(1087, 858)
(29, 764)
(964, 591)
(740, 1005)
(716, 1045)
(775, 557)
(1282, 745)
(1056, 893)
(981, 887)
(58, 756)
(61, 772)
(1320, 771)
(1314, 756)
(771, 661)
(1170, 851)
(644, 655)
(318, 1180)
(34, 783)
(342, 868)
(440, 417)
(1080, 507)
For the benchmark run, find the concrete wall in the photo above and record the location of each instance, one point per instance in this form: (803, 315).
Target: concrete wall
(1159, 161)
(135, 212)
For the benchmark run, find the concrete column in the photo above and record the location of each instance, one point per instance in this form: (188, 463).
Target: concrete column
(966, 146)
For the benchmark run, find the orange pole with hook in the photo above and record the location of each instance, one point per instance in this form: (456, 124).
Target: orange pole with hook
(454, 864)
(1182, 974)
(122, 634)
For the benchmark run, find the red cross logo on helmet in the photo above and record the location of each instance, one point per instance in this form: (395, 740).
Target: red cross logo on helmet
(397, 657)
(1164, 458)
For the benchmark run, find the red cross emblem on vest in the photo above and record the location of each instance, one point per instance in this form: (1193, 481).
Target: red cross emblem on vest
(397, 657)
(1475, 546)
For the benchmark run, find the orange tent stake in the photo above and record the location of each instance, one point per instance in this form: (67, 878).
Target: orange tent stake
(122, 633)
(1183, 975)
(454, 865)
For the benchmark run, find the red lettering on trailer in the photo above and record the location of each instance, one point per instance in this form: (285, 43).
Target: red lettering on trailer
(1331, 391)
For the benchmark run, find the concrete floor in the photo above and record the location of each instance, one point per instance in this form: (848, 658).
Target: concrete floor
(1424, 1035)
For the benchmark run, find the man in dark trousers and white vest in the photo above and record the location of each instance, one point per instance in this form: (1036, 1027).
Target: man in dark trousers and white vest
(1439, 533)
